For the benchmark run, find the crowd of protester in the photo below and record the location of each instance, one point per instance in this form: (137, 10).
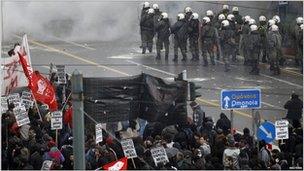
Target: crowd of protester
(199, 144)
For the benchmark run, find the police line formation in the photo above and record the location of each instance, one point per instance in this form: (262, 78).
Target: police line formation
(220, 36)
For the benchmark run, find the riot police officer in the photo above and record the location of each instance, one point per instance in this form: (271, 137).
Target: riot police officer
(180, 31)
(274, 47)
(207, 40)
(162, 29)
(227, 43)
(254, 49)
(262, 28)
(147, 27)
(193, 36)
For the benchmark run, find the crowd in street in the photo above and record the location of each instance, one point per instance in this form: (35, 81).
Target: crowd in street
(200, 143)
(220, 36)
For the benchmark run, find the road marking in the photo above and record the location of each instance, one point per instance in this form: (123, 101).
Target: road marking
(75, 57)
(74, 43)
(276, 107)
(267, 76)
(158, 70)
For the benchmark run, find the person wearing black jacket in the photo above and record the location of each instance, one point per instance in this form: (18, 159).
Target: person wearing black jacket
(162, 29)
(193, 36)
(147, 30)
(294, 107)
(180, 31)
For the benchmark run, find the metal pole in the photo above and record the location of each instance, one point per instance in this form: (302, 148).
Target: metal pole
(78, 121)
(231, 120)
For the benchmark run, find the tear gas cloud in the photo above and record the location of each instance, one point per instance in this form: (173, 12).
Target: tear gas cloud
(91, 20)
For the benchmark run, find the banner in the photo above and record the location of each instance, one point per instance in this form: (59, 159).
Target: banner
(121, 164)
(12, 73)
(159, 155)
(143, 96)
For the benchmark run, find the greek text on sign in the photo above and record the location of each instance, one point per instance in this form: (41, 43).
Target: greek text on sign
(26, 95)
(241, 99)
(14, 98)
(56, 120)
(21, 115)
(27, 103)
(46, 165)
(128, 148)
(282, 129)
(159, 155)
(98, 133)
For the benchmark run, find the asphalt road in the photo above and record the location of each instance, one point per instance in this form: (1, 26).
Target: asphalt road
(123, 58)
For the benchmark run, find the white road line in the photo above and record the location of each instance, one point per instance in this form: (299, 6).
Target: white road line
(276, 107)
(158, 70)
(74, 43)
(277, 79)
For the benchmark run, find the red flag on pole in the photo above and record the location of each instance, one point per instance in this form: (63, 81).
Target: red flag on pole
(121, 164)
(42, 89)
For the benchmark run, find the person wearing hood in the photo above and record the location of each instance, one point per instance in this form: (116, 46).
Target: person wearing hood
(193, 36)
(180, 31)
(294, 108)
(254, 47)
(224, 124)
(162, 29)
(147, 30)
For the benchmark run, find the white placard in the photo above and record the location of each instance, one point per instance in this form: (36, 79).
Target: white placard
(14, 98)
(21, 115)
(26, 95)
(98, 133)
(46, 165)
(128, 148)
(27, 103)
(4, 105)
(159, 155)
(61, 74)
(281, 129)
(56, 120)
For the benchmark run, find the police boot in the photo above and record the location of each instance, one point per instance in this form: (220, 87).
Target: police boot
(227, 68)
(157, 57)
(184, 57)
(264, 60)
(175, 58)
(205, 62)
(150, 49)
(143, 50)
(166, 57)
(282, 62)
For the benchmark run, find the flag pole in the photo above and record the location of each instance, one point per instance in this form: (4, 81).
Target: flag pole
(36, 105)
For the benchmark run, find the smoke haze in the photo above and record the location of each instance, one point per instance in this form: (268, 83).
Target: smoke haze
(95, 21)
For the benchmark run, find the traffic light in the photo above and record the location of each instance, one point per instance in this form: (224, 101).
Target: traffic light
(193, 91)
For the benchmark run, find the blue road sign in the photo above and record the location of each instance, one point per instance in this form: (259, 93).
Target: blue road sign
(241, 99)
(266, 132)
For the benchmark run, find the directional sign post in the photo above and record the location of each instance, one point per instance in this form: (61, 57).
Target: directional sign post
(241, 99)
(266, 132)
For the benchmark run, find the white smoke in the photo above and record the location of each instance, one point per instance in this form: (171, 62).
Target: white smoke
(92, 21)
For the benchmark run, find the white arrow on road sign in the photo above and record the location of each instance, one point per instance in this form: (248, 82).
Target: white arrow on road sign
(268, 134)
(226, 99)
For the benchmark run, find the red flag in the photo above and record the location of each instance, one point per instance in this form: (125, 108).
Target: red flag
(68, 116)
(43, 90)
(121, 164)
